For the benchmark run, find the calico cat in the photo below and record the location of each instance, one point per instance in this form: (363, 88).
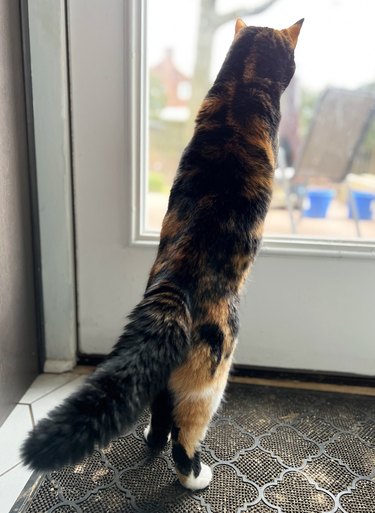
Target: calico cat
(175, 353)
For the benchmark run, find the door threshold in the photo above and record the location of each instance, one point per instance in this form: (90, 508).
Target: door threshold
(302, 385)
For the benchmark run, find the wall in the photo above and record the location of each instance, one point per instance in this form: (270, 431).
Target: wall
(18, 339)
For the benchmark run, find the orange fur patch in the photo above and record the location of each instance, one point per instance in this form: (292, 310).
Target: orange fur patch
(188, 384)
(210, 105)
(171, 224)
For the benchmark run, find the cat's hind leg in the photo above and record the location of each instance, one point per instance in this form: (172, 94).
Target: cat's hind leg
(158, 432)
(197, 391)
(191, 420)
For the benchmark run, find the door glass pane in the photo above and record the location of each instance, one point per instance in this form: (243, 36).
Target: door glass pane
(325, 181)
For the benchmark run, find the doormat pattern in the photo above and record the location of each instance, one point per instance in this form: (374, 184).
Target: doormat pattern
(271, 451)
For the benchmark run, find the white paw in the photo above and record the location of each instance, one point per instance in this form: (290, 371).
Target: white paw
(200, 482)
(146, 432)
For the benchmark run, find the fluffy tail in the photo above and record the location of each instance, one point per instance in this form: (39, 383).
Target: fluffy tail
(154, 342)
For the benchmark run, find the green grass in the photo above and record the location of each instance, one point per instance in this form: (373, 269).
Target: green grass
(157, 183)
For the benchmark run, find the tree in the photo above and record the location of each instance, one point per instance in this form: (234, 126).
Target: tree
(210, 20)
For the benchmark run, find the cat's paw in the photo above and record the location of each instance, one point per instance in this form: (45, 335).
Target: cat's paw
(155, 442)
(200, 482)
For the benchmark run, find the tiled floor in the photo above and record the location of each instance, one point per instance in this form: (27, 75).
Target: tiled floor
(47, 391)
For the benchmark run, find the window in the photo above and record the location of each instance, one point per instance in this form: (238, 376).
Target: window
(325, 181)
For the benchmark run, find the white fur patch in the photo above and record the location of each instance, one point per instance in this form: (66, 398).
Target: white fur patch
(200, 482)
(217, 400)
(204, 393)
(146, 432)
(214, 393)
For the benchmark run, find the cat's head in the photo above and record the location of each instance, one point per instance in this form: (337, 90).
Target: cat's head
(265, 53)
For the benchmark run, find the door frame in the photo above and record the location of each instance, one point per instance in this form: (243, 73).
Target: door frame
(52, 139)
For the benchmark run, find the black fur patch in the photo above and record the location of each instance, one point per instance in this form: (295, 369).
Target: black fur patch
(212, 334)
(174, 433)
(161, 420)
(113, 397)
(183, 463)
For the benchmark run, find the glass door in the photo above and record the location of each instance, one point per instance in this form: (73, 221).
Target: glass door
(134, 91)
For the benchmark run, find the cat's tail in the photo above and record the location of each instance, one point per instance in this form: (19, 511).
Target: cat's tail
(154, 342)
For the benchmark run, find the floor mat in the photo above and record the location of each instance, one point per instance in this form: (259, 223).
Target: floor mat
(271, 451)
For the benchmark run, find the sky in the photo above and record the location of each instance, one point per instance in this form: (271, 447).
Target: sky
(336, 45)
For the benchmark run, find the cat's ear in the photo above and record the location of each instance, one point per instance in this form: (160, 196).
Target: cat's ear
(240, 24)
(293, 32)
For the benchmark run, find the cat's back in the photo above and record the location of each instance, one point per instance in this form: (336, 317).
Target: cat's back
(222, 191)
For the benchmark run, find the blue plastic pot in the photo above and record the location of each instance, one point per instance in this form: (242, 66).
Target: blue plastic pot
(319, 201)
(363, 202)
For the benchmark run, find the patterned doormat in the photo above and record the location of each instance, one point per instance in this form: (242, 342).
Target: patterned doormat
(271, 451)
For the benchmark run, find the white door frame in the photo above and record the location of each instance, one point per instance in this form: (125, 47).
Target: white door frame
(50, 93)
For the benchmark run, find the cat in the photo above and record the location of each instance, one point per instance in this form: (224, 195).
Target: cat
(176, 351)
